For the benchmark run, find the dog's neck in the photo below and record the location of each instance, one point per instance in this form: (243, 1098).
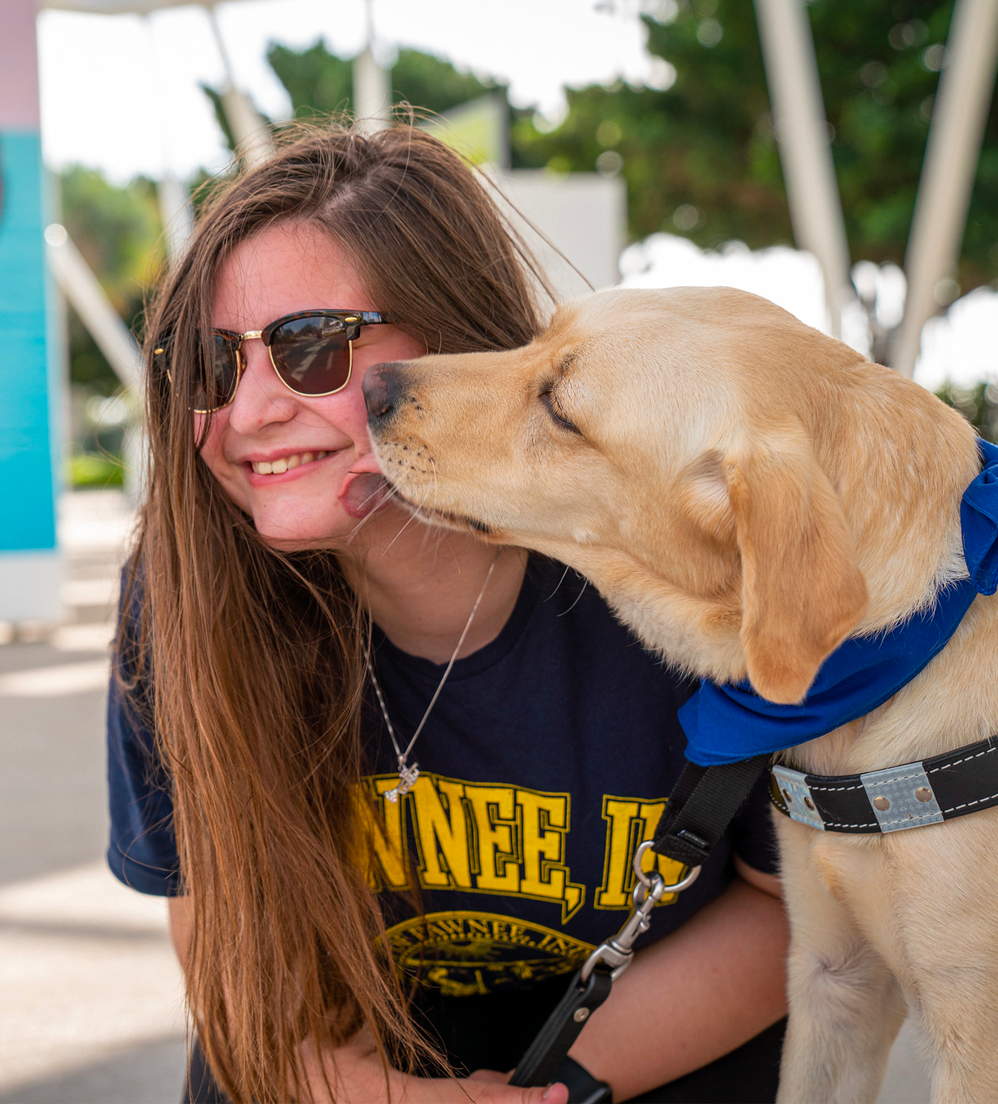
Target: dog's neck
(952, 703)
(903, 502)
(907, 526)
(904, 515)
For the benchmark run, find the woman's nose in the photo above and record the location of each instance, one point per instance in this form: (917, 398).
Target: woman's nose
(260, 398)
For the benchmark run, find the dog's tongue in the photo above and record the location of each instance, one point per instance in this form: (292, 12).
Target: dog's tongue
(363, 493)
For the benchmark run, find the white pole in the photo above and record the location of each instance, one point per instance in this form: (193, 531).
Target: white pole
(802, 133)
(958, 117)
(82, 288)
(252, 136)
(372, 85)
(174, 203)
(175, 211)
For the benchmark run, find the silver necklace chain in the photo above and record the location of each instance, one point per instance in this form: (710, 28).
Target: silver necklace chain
(408, 774)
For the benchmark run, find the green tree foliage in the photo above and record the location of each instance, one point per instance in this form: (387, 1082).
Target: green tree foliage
(978, 404)
(320, 83)
(700, 156)
(118, 231)
(220, 117)
(694, 155)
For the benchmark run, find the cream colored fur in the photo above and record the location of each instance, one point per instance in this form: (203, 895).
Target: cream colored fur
(746, 492)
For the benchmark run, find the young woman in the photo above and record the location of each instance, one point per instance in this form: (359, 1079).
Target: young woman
(293, 644)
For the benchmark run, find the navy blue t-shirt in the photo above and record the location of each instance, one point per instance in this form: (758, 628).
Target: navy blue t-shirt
(545, 761)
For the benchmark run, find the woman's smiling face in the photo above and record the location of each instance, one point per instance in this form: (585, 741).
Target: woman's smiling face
(319, 445)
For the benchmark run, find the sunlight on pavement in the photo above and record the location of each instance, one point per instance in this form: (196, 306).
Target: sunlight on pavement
(86, 968)
(47, 682)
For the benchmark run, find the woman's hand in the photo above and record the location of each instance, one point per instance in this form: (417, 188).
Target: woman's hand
(356, 1076)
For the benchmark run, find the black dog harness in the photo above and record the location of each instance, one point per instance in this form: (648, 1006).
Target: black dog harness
(907, 796)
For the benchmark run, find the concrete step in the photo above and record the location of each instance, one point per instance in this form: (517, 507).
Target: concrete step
(89, 601)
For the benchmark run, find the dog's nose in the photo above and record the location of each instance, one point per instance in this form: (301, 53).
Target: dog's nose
(383, 387)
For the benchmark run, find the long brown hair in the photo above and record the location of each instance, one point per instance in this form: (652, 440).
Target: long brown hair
(256, 657)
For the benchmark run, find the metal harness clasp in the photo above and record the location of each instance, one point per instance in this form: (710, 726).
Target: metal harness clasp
(649, 889)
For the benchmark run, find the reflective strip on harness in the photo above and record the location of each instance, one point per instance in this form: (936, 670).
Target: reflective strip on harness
(901, 797)
(796, 794)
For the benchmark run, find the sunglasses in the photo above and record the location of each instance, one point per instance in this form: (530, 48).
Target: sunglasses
(311, 351)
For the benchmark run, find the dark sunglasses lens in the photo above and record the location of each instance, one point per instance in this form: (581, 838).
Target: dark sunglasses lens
(218, 374)
(312, 354)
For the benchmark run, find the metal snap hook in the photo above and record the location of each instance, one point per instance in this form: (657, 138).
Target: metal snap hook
(645, 880)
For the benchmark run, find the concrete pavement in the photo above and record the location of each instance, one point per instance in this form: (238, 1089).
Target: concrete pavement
(90, 993)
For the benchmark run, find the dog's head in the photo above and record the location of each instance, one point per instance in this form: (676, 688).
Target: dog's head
(663, 444)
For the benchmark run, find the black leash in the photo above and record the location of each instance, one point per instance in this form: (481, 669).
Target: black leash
(702, 804)
(552, 1043)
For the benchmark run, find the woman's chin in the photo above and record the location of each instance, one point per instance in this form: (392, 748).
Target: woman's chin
(296, 534)
(379, 522)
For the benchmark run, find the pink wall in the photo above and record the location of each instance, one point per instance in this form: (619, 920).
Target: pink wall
(18, 65)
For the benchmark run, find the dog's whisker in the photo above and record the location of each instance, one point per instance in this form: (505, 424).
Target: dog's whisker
(430, 528)
(433, 470)
(360, 525)
(561, 579)
(578, 597)
(386, 491)
(409, 520)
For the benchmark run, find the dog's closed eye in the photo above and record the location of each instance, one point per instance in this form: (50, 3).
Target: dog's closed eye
(551, 405)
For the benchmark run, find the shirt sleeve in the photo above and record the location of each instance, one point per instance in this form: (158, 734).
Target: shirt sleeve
(752, 832)
(142, 852)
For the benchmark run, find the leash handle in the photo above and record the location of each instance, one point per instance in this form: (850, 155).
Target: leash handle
(563, 1026)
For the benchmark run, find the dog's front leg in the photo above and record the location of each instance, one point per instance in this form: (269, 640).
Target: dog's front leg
(846, 1006)
(945, 906)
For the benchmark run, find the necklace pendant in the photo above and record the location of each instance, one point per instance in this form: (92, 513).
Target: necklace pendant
(407, 779)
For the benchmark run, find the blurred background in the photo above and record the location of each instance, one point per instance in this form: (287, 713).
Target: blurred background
(841, 160)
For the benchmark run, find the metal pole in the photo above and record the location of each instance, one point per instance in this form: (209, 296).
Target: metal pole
(174, 204)
(82, 288)
(251, 134)
(372, 85)
(175, 211)
(966, 85)
(802, 133)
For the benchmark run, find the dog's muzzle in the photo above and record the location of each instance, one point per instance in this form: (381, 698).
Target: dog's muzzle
(385, 390)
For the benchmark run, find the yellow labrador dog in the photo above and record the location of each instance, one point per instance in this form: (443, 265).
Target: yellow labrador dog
(747, 494)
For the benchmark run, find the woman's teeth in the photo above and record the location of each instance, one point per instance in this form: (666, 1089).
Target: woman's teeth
(285, 463)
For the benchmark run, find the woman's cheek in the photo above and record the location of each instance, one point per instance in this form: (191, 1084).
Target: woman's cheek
(206, 437)
(209, 432)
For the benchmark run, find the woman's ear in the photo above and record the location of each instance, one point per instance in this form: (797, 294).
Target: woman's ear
(802, 592)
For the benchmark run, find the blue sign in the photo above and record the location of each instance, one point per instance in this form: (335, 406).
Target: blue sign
(27, 470)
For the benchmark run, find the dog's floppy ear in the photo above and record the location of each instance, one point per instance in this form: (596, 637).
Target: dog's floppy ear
(802, 592)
